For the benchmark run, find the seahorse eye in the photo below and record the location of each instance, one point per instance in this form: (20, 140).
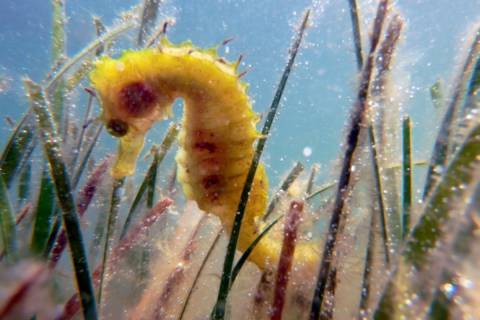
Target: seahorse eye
(137, 98)
(117, 128)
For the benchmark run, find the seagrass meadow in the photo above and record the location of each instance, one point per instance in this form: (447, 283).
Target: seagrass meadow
(240, 159)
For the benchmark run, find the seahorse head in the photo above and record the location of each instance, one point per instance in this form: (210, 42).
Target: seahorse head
(131, 102)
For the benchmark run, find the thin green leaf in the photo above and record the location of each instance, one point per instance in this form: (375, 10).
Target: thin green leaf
(471, 106)
(367, 270)
(99, 30)
(357, 36)
(151, 185)
(98, 232)
(86, 117)
(170, 136)
(172, 180)
(18, 149)
(7, 224)
(471, 102)
(320, 190)
(407, 176)
(148, 183)
(86, 155)
(58, 52)
(159, 33)
(58, 171)
(385, 135)
(286, 183)
(379, 192)
(112, 221)
(464, 242)
(149, 16)
(139, 196)
(437, 96)
(58, 29)
(417, 163)
(219, 309)
(439, 308)
(200, 270)
(439, 158)
(23, 188)
(81, 72)
(44, 214)
(56, 65)
(244, 257)
(53, 236)
(311, 179)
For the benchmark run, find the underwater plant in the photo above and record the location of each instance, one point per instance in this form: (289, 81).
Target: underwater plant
(84, 234)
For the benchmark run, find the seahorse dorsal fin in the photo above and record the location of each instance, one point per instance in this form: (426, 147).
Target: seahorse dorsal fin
(213, 51)
(164, 42)
(237, 63)
(186, 44)
(227, 41)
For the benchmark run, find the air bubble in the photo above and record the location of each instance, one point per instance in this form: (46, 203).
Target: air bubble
(307, 151)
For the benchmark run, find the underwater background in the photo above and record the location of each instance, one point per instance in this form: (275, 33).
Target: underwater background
(393, 253)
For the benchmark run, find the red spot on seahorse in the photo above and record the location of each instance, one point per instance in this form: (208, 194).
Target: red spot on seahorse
(203, 145)
(137, 98)
(211, 181)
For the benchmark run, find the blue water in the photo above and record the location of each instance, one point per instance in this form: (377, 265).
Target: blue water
(319, 93)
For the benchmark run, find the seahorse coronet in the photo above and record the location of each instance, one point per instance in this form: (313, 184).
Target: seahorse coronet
(216, 143)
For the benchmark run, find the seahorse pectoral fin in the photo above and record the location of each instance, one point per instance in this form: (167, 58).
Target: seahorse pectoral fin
(129, 149)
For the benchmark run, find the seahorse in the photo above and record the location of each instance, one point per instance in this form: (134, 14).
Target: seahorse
(218, 131)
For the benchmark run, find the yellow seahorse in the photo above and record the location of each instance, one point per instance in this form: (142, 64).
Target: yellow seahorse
(217, 135)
